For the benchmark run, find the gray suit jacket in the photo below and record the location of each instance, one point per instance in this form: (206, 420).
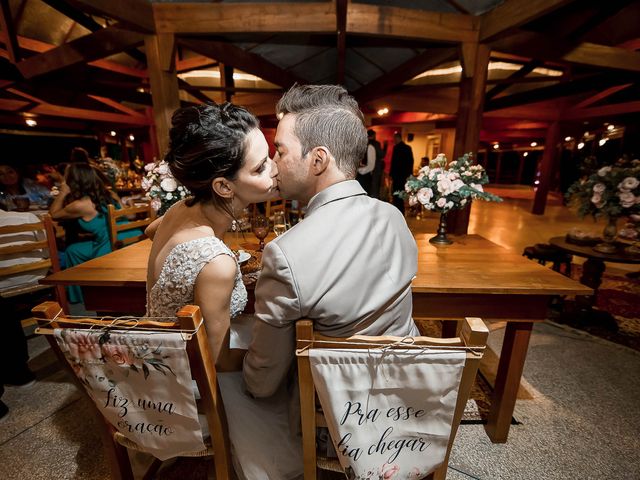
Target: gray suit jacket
(347, 266)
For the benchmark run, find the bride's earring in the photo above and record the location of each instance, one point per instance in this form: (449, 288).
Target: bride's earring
(234, 222)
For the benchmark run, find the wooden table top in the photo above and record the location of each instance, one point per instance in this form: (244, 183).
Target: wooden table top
(587, 251)
(472, 264)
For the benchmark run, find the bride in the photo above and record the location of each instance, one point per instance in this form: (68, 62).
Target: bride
(221, 156)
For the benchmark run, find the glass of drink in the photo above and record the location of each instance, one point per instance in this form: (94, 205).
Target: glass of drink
(279, 223)
(260, 228)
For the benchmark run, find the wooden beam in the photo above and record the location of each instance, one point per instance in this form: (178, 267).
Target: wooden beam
(546, 168)
(91, 47)
(194, 64)
(242, 60)
(514, 13)
(601, 96)
(164, 86)
(9, 31)
(190, 18)
(117, 105)
(602, 111)
(137, 14)
(547, 47)
(341, 28)
(425, 61)
(523, 72)
(74, 14)
(410, 23)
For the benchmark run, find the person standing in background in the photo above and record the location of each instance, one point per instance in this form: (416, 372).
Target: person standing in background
(378, 169)
(401, 168)
(365, 170)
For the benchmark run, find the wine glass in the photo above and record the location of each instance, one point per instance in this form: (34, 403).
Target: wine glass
(260, 228)
(279, 223)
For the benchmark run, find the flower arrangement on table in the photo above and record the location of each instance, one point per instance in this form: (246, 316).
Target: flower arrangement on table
(162, 187)
(611, 192)
(441, 187)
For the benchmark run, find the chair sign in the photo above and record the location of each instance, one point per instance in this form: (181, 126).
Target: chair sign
(389, 411)
(141, 383)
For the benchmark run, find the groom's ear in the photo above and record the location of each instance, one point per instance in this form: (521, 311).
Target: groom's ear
(320, 159)
(222, 187)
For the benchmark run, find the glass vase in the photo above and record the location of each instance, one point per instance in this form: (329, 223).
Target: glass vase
(608, 237)
(441, 237)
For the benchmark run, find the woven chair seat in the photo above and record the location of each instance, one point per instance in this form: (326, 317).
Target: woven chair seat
(125, 442)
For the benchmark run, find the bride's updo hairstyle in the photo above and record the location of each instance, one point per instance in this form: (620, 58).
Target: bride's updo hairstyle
(207, 142)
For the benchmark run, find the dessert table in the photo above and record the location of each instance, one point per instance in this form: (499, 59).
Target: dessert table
(473, 277)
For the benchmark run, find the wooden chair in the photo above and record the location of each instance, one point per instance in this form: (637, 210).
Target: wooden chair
(143, 214)
(51, 262)
(473, 339)
(203, 371)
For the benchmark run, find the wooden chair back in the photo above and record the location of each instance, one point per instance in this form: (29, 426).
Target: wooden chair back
(143, 214)
(473, 339)
(52, 263)
(203, 371)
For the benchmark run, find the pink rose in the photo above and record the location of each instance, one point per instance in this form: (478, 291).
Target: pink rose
(389, 471)
(120, 355)
(83, 346)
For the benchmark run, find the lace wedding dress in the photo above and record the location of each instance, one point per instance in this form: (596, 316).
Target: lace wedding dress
(262, 444)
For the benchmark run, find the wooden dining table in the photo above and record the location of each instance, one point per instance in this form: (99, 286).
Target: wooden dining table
(473, 277)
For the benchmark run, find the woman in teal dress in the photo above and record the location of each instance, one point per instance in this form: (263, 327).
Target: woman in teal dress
(85, 197)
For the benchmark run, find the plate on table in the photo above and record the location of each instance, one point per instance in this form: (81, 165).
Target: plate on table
(243, 256)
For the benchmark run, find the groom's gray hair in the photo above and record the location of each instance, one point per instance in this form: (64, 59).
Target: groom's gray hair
(326, 115)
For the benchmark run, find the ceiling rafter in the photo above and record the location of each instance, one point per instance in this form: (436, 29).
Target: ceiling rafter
(245, 61)
(136, 14)
(522, 73)
(341, 27)
(85, 49)
(602, 95)
(9, 31)
(425, 61)
(514, 13)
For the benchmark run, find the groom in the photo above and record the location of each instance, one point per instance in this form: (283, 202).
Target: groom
(349, 264)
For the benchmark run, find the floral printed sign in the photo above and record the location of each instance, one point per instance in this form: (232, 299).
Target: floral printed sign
(141, 383)
(390, 412)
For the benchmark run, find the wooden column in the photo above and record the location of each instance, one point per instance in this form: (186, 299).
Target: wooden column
(475, 62)
(546, 168)
(161, 58)
(521, 160)
(498, 168)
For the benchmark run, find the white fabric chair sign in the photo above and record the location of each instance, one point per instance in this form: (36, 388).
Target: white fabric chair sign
(141, 383)
(389, 411)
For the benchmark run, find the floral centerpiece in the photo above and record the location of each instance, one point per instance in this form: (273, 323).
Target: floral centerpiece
(611, 192)
(442, 187)
(162, 187)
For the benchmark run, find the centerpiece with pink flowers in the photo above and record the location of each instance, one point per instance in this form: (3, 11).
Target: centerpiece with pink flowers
(612, 192)
(162, 187)
(442, 187)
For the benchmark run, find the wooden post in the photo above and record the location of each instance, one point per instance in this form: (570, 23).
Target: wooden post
(469, 117)
(164, 84)
(546, 168)
(521, 158)
(498, 168)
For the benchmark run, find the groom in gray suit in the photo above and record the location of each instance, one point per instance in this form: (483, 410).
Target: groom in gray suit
(349, 264)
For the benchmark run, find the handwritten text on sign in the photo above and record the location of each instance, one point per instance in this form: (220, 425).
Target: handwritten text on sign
(354, 413)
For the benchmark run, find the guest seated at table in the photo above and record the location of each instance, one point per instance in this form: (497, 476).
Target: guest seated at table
(85, 197)
(19, 193)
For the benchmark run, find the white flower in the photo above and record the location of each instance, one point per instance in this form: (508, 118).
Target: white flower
(155, 188)
(413, 200)
(629, 183)
(169, 184)
(457, 185)
(603, 171)
(441, 202)
(627, 199)
(476, 186)
(146, 184)
(463, 201)
(599, 187)
(149, 166)
(424, 195)
(156, 204)
(163, 168)
(169, 196)
(448, 205)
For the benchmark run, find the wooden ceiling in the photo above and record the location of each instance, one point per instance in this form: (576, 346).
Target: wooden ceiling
(81, 64)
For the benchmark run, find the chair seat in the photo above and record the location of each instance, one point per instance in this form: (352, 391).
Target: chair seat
(544, 252)
(23, 289)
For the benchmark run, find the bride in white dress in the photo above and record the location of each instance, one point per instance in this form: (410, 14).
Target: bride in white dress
(221, 156)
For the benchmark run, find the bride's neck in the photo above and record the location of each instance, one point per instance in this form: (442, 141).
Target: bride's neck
(218, 219)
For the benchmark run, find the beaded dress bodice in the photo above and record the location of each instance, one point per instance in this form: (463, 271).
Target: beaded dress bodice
(176, 283)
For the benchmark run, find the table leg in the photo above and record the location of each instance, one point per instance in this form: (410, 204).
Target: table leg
(512, 357)
(586, 315)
